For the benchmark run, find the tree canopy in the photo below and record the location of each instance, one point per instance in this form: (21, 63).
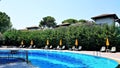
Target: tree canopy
(83, 21)
(5, 22)
(70, 21)
(47, 22)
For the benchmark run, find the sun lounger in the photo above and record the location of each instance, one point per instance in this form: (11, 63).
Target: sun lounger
(34, 46)
(46, 47)
(103, 49)
(113, 49)
(30, 46)
(22, 46)
(58, 47)
(79, 48)
(63, 47)
(76, 48)
(51, 47)
(73, 48)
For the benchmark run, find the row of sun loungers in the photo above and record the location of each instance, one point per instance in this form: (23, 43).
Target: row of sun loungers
(60, 48)
(31, 46)
(57, 48)
(63, 47)
(48, 47)
(77, 49)
(104, 49)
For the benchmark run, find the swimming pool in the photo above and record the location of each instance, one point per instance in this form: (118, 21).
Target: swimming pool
(62, 59)
(11, 56)
(58, 59)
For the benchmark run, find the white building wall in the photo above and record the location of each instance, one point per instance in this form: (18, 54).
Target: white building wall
(117, 24)
(105, 20)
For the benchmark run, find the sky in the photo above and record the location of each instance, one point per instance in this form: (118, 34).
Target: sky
(27, 13)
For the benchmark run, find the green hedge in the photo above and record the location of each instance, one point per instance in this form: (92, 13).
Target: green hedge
(90, 37)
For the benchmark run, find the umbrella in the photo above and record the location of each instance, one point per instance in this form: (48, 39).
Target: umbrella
(47, 42)
(76, 42)
(107, 42)
(22, 42)
(60, 42)
(31, 42)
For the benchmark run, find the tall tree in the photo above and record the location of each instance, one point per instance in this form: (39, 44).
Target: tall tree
(5, 22)
(70, 21)
(47, 22)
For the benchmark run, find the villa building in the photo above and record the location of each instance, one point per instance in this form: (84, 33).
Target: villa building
(33, 28)
(30, 28)
(107, 18)
(63, 25)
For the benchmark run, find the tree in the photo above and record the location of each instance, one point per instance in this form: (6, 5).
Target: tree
(83, 21)
(47, 22)
(1, 36)
(70, 21)
(86, 22)
(5, 22)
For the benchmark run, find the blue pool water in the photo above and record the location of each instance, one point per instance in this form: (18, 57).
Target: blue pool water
(57, 59)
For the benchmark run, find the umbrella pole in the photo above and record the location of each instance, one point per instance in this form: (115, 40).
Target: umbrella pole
(107, 50)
